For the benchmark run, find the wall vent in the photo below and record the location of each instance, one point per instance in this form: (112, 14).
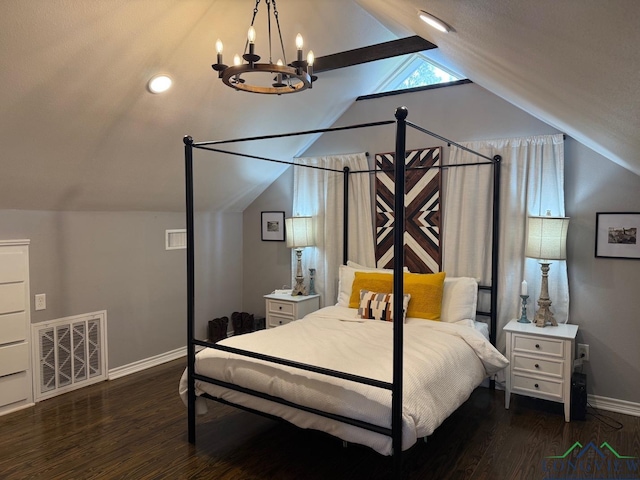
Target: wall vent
(69, 353)
(175, 239)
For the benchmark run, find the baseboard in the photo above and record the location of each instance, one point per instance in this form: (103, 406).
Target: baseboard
(614, 405)
(147, 363)
(10, 409)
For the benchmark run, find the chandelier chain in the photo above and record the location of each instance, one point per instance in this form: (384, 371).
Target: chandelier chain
(253, 19)
(269, 26)
(275, 14)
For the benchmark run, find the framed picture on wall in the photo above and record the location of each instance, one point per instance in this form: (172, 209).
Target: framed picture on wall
(617, 235)
(272, 226)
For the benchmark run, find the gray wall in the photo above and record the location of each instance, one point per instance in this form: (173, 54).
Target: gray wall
(116, 261)
(266, 265)
(604, 299)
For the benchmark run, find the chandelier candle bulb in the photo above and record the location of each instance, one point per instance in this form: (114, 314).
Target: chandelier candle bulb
(279, 75)
(251, 57)
(310, 59)
(219, 50)
(299, 45)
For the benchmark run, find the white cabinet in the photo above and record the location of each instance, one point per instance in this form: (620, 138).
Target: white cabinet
(283, 309)
(540, 362)
(15, 317)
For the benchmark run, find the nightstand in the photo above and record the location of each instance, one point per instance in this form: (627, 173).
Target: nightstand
(283, 309)
(540, 362)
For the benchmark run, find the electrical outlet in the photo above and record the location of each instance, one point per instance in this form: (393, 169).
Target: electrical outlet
(41, 301)
(583, 352)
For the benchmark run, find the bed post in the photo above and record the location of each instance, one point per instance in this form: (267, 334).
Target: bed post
(191, 351)
(345, 220)
(495, 247)
(495, 252)
(398, 289)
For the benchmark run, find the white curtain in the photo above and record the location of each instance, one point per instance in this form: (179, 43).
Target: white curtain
(319, 193)
(532, 182)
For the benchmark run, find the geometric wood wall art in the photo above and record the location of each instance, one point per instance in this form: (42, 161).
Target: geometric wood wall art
(422, 210)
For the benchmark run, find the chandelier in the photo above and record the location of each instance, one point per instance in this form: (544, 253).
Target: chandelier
(267, 78)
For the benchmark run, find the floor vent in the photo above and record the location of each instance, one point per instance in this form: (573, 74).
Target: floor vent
(69, 353)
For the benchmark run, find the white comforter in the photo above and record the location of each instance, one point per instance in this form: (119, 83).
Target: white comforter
(443, 363)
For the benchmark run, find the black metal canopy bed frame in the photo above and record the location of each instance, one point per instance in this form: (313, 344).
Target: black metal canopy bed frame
(396, 386)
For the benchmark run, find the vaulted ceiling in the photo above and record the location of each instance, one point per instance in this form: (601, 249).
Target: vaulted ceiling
(79, 130)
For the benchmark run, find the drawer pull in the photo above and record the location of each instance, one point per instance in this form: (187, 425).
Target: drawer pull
(280, 308)
(537, 366)
(537, 345)
(536, 385)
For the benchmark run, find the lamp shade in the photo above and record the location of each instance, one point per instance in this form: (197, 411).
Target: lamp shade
(299, 232)
(547, 238)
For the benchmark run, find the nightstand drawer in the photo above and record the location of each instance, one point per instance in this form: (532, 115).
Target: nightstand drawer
(546, 346)
(536, 387)
(537, 365)
(282, 308)
(277, 320)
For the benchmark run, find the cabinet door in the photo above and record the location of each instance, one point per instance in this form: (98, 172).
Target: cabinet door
(14, 294)
(15, 353)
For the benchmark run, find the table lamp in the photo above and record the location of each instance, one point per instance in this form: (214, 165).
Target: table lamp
(299, 234)
(546, 240)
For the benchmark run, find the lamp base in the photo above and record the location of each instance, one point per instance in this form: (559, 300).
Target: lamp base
(299, 288)
(544, 316)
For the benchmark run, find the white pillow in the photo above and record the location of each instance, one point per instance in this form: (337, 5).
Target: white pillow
(459, 299)
(346, 276)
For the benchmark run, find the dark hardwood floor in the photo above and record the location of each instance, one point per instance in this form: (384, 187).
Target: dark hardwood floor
(135, 428)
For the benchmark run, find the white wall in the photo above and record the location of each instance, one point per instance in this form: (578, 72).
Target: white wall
(604, 298)
(116, 261)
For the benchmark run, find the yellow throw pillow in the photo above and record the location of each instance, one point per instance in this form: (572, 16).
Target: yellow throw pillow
(425, 290)
(373, 282)
(426, 294)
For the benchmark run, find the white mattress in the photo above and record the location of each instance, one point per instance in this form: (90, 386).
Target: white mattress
(443, 363)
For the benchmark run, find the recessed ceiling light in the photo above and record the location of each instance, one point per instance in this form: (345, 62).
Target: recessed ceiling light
(434, 21)
(159, 84)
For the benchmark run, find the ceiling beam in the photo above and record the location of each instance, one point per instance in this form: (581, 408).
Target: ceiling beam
(380, 51)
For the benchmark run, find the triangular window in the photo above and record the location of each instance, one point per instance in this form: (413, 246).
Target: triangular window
(419, 71)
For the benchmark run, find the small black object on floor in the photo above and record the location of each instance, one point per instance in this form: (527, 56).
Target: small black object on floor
(242, 322)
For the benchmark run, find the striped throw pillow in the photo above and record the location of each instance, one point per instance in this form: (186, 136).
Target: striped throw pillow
(379, 306)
